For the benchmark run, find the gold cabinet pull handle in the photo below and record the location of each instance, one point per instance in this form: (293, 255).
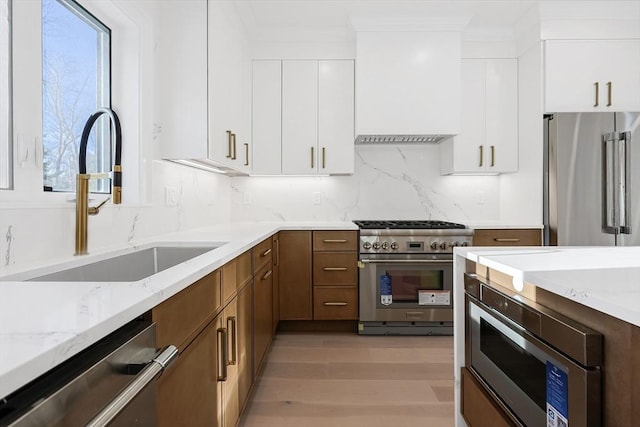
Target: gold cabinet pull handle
(229, 143)
(334, 240)
(493, 156)
(335, 303)
(608, 94)
(232, 327)
(265, 253)
(233, 137)
(323, 158)
(313, 164)
(221, 335)
(481, 153)
(267, 274)
(246, 154)
(597, 88)
(335, 268)
(506, 239)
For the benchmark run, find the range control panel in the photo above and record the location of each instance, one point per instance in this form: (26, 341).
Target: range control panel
(412, 244)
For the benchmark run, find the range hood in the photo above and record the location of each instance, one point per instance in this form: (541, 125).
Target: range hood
(408, 82)
(400, 139)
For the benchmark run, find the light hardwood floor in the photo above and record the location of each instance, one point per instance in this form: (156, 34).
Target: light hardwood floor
(348, 380)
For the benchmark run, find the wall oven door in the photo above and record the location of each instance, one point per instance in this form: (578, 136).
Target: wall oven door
(540, 385)
(420, 288)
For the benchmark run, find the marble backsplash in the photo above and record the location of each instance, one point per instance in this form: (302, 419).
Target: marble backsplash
(36, 233)
(392, 182)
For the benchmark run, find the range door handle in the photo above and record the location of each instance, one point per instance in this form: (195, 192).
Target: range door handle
(154, 368)
(406, 261)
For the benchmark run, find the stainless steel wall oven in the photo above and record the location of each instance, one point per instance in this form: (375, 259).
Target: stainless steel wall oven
(542, 367)
(406, 276)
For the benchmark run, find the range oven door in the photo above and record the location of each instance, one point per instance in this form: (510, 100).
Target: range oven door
(420, 288)
(538, 384)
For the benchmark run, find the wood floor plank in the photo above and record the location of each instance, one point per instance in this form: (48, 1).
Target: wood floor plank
(334, 380)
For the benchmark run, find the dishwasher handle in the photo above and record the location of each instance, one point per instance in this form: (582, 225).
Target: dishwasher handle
(150, 372)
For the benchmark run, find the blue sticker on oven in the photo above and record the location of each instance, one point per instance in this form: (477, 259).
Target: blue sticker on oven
(557, 396)
(386, 297)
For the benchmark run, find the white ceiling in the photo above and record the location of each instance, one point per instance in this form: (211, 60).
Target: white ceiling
(278, 18)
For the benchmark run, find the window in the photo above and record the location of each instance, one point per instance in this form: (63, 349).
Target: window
(5, 95)
(76, 82)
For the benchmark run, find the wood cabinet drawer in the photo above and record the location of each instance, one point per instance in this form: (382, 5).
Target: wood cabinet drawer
(338, 240)
(508, 237)
(335, 268)
(262, 254)
(234, 274)
(180, 318)
(478, 409)
(335, 303)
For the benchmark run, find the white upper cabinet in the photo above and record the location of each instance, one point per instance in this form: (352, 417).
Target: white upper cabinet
(488, 142)
(303, 113)
(335, 117)
(299, 117)
(591, 75)
(267, 117)
(181, 56)
(407, 82)
(229, 83)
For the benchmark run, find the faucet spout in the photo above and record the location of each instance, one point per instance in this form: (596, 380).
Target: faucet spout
(82, 181)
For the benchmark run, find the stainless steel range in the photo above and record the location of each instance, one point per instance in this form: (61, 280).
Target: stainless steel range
(406, 276)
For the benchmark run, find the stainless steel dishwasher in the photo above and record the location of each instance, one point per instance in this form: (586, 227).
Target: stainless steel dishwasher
(110, 383)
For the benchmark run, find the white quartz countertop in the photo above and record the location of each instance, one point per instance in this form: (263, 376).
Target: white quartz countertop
(42, 324)
(606, 279)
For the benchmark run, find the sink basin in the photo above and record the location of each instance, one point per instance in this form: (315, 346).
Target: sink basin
(128, 267)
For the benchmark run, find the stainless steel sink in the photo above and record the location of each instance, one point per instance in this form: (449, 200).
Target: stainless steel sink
(127, 267)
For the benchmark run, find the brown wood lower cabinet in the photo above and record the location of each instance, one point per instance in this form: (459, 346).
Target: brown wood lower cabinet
(295, 275)
(478, 409)
(245, 344)
(507, 237)
(335, 303)
(229, 381)
(262, 314)
(187, 391)
(276, 282)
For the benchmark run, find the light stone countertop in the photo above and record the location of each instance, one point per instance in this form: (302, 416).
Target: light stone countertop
(42, 324)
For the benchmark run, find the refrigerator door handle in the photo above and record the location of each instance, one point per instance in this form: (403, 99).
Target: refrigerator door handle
(615, 183)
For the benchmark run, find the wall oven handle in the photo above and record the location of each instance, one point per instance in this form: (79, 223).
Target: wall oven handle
(407, 261)
(150, 372)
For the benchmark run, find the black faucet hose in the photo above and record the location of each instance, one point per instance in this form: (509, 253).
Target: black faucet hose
(84, 140)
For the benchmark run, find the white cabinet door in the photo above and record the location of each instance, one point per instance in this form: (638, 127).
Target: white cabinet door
(181, 56)
(501, 112)
(267, 117)
(488, 142)
(226, 85)
(335, 117)
(408, 82)
(299, 117)
(592, 75)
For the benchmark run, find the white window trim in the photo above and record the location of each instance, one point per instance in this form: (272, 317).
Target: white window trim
(132, 99)
(6, 174)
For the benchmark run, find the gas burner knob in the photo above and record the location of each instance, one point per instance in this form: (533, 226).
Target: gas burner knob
(366, 245)
(434, 246)
(456, 243)
(395, 246)
(443, 245)
(464, 244)
(385, 245)
(376, 246)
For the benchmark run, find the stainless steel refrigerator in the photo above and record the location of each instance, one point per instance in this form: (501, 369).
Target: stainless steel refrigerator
(592, 179)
